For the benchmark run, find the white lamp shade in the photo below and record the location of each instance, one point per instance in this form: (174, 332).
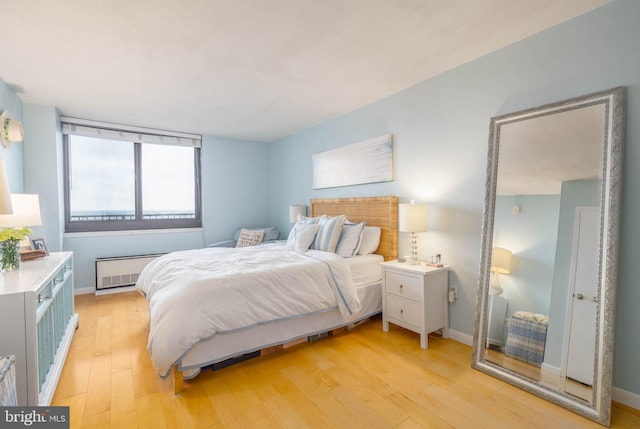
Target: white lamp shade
(501, 260)
(295, 211)
(26, 211)
(5, 197)
(412, 217)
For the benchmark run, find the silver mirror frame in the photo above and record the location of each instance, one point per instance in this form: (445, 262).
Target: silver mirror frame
(600, 408)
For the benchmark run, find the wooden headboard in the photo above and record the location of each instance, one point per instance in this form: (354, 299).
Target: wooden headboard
(375, 211)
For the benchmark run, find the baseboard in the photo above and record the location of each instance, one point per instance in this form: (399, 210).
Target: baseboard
(84, 291)
(461, 337)
(618, 395)
(627, 398)
(551, 369)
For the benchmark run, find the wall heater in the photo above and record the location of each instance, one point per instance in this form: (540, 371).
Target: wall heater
(121, 270)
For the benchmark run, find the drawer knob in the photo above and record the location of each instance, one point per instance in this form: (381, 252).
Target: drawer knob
(401, 286)
(401, 311)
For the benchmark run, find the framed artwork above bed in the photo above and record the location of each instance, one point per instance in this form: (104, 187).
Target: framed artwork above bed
(368, 161)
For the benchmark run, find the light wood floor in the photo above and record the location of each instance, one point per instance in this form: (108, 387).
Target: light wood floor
(365, 378)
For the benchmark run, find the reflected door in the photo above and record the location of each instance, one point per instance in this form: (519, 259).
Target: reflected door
(582, 331)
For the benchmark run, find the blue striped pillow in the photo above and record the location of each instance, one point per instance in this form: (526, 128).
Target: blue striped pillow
(329, 234)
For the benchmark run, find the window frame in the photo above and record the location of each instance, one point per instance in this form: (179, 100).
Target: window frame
(139, 223)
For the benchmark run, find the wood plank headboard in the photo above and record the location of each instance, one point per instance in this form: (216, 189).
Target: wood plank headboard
(375, 211)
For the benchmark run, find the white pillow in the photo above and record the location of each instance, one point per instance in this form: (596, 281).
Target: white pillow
(350, 239)
(301, 236)
(249, 237)
(370, 240)
(329, 234)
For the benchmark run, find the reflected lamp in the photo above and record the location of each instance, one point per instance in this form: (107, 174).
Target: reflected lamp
(500, 264)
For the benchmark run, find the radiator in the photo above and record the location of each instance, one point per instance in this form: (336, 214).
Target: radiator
(120, 271)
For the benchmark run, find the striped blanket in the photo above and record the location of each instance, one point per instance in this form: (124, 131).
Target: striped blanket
(526, 337)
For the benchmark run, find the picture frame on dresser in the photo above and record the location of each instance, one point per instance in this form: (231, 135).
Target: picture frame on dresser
(39, 244)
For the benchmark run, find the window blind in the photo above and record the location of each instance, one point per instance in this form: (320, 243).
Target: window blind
(86, 128)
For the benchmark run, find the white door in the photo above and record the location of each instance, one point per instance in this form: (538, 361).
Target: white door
(582, 296)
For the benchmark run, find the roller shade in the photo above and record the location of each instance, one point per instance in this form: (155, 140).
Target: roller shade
(81, 127)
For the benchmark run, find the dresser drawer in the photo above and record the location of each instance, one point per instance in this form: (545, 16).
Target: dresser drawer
(403, 285)
(403, 310)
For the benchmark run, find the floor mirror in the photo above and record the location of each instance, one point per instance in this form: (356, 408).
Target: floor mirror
(546, 295)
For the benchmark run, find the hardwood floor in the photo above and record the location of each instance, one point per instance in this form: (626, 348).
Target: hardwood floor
(365, 378)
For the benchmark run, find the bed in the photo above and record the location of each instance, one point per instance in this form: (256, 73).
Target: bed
(242, 334)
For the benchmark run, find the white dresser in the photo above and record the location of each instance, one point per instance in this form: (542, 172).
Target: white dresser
(37, 323)
(415, 297)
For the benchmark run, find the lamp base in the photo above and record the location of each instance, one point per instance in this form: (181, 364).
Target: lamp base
(495, 288)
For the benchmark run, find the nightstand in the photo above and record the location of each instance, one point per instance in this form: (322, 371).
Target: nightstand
(415, 297)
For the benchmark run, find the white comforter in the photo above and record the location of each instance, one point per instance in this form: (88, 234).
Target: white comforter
(196, 294)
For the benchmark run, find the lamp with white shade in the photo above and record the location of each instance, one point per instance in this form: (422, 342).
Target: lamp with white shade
(26, 212)
(412, 217)
(500, 264)
(296, 211)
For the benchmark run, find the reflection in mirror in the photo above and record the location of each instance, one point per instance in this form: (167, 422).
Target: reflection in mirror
(547, 281)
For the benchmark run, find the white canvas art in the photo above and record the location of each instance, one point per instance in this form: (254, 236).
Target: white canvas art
(369, 161)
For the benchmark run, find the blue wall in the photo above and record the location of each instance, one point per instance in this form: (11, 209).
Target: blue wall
(574, 194)
(235, 193)
(440, 129)
(531, 237)
(13, 157)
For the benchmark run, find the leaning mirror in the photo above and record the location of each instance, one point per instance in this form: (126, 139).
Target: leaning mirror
(546, 297)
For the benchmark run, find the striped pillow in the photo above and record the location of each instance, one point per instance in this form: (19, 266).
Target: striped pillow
(350, 239)
(329, 234)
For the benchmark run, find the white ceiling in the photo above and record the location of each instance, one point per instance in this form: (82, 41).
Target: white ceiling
(248, 69)
(538, 154)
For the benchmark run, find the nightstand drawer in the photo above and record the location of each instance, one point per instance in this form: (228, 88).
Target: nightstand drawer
(403, 310)
(403, 285)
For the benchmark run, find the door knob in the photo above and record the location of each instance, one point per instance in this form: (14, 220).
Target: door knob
(579, 296)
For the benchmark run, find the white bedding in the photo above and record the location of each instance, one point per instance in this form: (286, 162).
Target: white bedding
(365, 269)
(193, 295)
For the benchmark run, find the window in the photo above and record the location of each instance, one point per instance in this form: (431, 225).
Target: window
(123, 179)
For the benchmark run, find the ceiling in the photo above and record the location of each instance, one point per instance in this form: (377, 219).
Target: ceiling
(248, 69)
(537, 154)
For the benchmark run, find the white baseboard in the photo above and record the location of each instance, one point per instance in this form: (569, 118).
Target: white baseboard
(551, 369)
(619, 395)
(84, 291)
(624, 397)
(461, 337)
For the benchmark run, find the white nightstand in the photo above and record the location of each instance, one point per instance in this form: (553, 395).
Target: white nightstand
(415, 297)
